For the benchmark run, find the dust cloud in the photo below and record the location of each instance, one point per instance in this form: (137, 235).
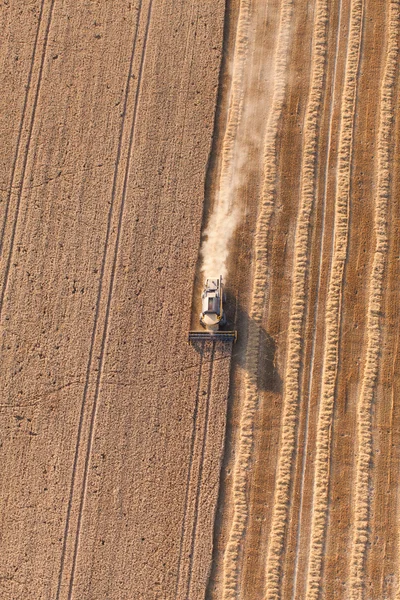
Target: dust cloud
(223, 222)
(226, 213)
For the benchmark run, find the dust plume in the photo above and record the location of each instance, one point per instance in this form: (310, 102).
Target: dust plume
(222, 224)
(225, 214)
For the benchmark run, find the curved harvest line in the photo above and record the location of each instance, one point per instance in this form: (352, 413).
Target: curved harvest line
(232, 557)
(334, 306)
(361, 508)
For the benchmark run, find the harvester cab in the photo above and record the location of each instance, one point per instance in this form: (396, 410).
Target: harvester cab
(212, 316)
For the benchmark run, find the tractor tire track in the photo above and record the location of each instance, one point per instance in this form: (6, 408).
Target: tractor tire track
(24, 143)
(204, 431)
(115, 217)
(21, 126)
(232, 567)
(334, 306)
(110, 290)
(361, 508)
(189, 475)
(208, 425)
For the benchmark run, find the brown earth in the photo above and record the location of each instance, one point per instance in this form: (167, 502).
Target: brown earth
(111, 425)
(112, 428)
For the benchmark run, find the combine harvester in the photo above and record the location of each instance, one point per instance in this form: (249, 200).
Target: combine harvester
(212, 316)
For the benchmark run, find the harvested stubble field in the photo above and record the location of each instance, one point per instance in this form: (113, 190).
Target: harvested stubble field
(308, 505)
(134, 466)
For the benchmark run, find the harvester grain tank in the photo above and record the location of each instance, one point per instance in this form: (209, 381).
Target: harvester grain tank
(212, 316)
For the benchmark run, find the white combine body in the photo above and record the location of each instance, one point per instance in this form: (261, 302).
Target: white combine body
(212, 313)
(212, 316)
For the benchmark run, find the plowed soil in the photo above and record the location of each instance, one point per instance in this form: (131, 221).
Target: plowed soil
(135, 466)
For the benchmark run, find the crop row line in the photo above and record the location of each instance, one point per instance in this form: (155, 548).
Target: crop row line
(292, 376)
(333, 313)
(361, 508)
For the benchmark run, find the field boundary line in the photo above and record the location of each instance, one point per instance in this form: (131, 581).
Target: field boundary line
(361, 506)
(91, 358)
(292, 378)
(333, 313)
(233, 552)
(26, 145)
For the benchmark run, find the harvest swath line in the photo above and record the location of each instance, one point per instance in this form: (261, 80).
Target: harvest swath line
(200, 476)
(292, 391)
(313, 116)
(98, 306)
(222, 202)
(361, 509)
(27, 146)
(236, 99)
(232, 557)
(334, 306)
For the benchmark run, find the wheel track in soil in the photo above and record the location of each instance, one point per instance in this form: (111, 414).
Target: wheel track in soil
(119, 172)
(24, 143)
(200, 474)
(232, 558)
(361, 508)
(189, 478)
(21, 126)
(334, 306)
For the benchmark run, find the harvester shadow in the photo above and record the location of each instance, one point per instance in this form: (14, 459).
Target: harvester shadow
(268, 378)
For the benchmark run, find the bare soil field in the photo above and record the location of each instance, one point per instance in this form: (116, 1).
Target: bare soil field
(135, 466)
(111, 425)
